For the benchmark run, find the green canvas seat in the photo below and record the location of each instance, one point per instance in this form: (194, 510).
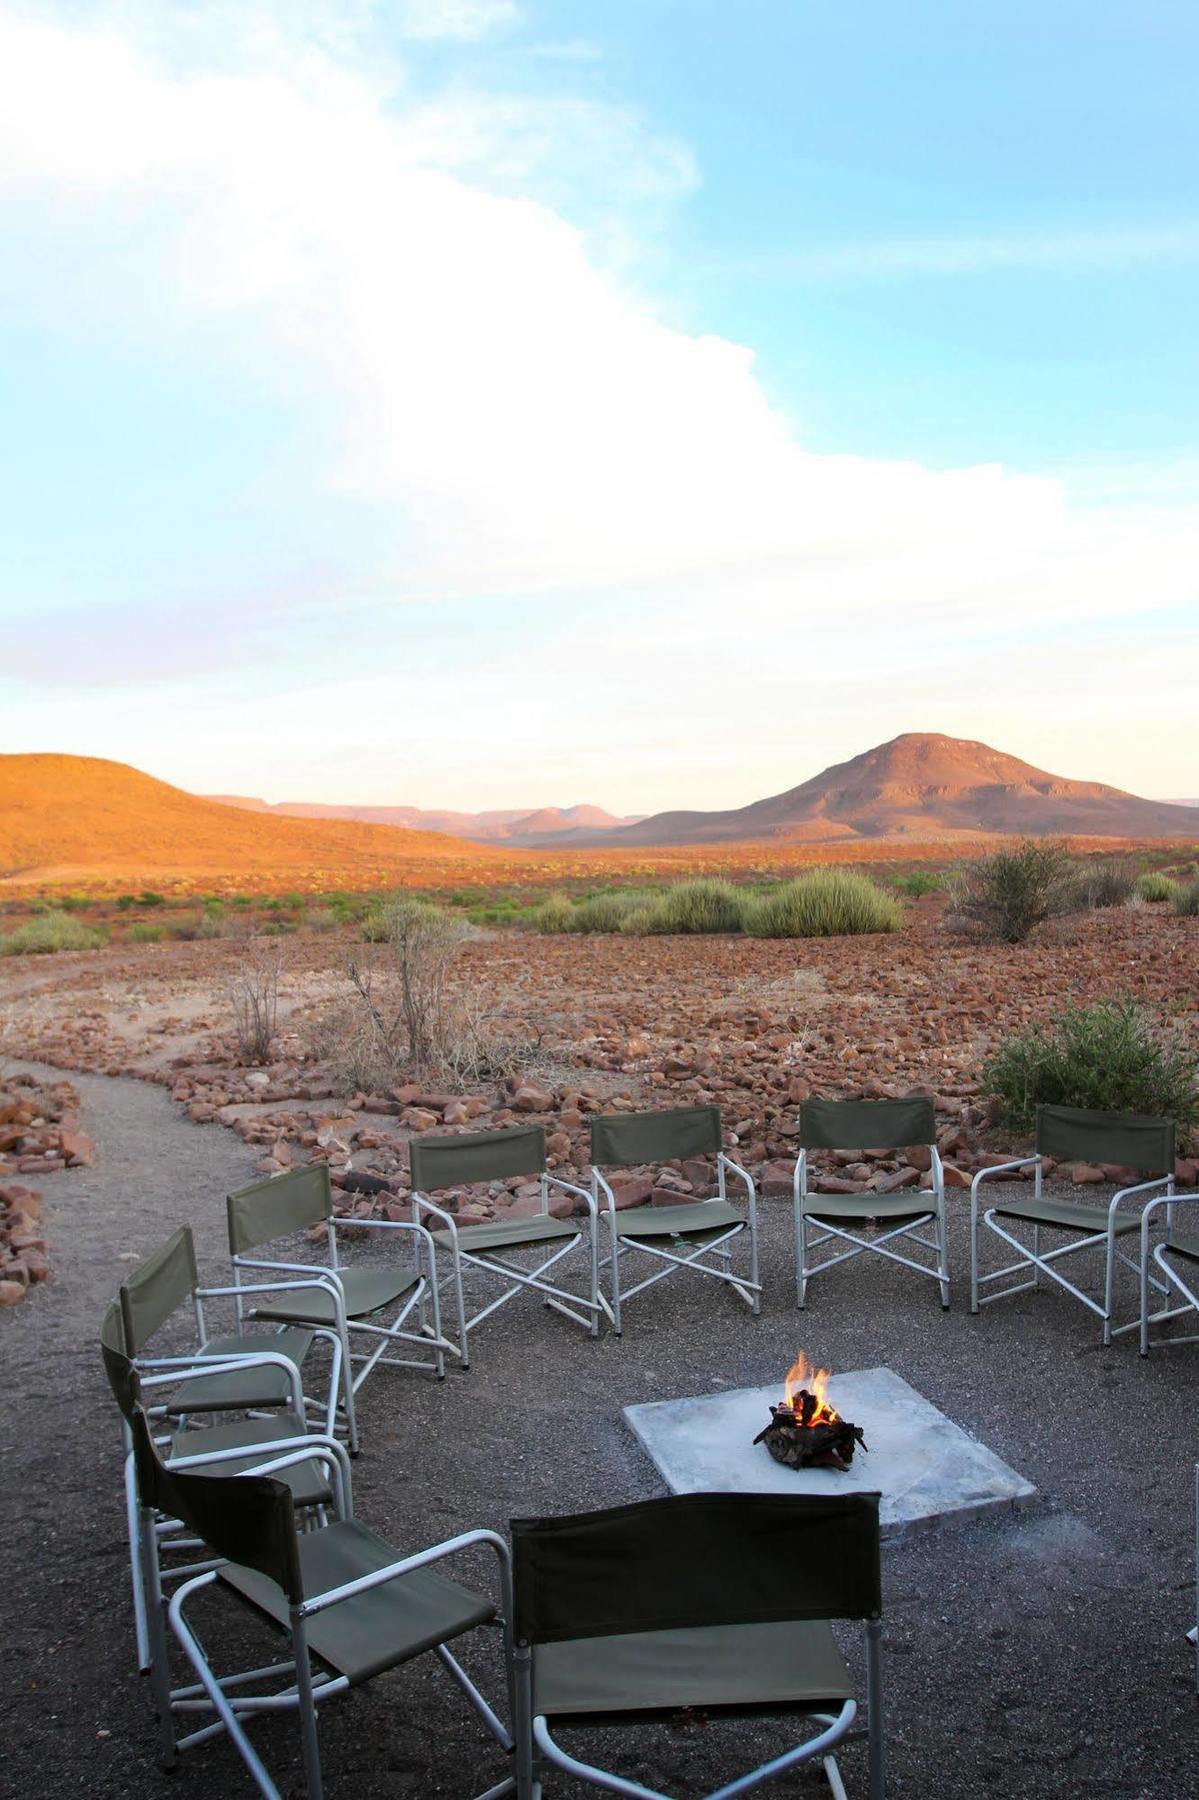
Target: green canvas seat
(1136, 1141)
(369, 1632)
(366, 1291)
(252, 1384)
(728, 1667)
(309, 1481)
(373, 1309)
(612, 1628)
(470, 1159)
(691, 1237)
(397, 1608)
(1174, 1260)
(832, 1219)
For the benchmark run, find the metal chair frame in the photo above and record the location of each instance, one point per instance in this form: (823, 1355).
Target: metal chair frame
(329, 1277)
(1158, 1255)
(224, 1702)
(810, 1236)
(749, 1290)
(1077, 1123)
(581, 1309)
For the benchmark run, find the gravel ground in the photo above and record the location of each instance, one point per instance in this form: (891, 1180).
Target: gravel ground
(1031, 1655)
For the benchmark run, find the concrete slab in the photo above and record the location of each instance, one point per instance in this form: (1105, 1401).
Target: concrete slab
(926, 1468)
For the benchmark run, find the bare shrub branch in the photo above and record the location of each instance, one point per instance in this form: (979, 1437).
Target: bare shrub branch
(254, 994)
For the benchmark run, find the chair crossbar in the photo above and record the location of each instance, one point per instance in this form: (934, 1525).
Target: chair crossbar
(745, 1288)
(1044, 1262)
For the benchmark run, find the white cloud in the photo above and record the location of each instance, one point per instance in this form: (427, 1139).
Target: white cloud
(1063, 251)
(527, 415)
(461, 19)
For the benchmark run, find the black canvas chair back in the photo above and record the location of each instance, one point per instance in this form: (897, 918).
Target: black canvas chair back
(476, 1156)
(248, 1519)
(279, 1206)
(122, 1376)
(625, 1140)
(866, 1124)
(696, 1560)
(159, 1284)
(1128, 1140)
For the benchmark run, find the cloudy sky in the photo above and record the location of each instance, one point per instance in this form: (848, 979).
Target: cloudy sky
(502, 402)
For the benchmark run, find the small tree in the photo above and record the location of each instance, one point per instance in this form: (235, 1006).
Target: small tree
(254, 992)
(1109, 1055)
(1008, 894)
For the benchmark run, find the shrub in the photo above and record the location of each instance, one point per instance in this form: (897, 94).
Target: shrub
(1106, 883)
(72, 902)
(144, 933)
(1108, 1055)
(1154, 886)
(321, 918)
(1006, 895)
(125, 902)
(824, 903)
(241, 900)
(150, 898)
(605, 911)
(1186, 901)
(254, 993)
(917, 882)
(703, 905)
(51, 931)
(555, 913)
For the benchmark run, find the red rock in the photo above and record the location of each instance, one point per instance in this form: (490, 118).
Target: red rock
(634, 1190)
(892, 1184)
(955, 1178)
(418, 1118)
(456, 1112)
(531, 1099)
(1082, 1173)
(78, 1149)
(1186, 1171)
(11, 1291)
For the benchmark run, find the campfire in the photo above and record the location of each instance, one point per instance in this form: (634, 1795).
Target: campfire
(805, 1432)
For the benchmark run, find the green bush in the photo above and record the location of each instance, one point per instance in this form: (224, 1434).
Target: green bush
(125, 902)
(554, 914)
(70, 903)
(704, 905)
(1006, 895)
(150, 898)
(321, 918)
(51, 931)
(1154, 886)
(824, 903)
(1186, 901)
(917, 882)
(605, 911)
(1106, 883)
(144, 933)
(1108, 1055)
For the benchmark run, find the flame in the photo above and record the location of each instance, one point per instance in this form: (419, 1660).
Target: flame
(799, 1376)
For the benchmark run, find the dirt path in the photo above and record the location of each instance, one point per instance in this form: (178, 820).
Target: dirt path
(1024, 1656)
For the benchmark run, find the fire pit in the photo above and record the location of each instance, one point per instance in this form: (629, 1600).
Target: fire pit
(807, 1431)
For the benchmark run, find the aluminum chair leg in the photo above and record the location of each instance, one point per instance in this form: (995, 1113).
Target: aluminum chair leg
(308, 1734)
(133, 1526)
(874, 1702)
(157, 1636)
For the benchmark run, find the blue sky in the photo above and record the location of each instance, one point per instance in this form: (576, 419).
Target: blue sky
(490, 402)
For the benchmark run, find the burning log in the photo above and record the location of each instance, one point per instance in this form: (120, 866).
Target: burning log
(805, 1431)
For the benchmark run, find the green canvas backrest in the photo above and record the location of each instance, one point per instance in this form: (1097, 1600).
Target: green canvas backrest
(276, 1207)
(122, 1376)
(247, 1519)
(473, 1156)
(1130, 1140)
(156, 1287)
(696, 1560)
(625, 1140)
(866, 1124)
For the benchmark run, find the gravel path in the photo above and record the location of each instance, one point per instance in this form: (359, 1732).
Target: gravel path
(1025, 1656)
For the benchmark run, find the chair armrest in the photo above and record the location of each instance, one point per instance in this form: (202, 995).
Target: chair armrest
(406, 1564)
(1142, 1187)
(572, 1187)
(284, 1453)
(602, 1181)
(204, 1367)
(326, 1279)
(751, 1192)
(310, 1271)
(420, 1205)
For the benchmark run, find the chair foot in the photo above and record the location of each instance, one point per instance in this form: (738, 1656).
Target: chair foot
(944, 1306)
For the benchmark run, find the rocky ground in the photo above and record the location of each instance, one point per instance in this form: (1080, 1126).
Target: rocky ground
(39, 1133)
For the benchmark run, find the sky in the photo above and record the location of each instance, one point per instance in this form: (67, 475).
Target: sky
(483, 403)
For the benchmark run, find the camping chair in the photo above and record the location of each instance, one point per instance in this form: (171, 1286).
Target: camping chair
(1130, 1140)
(327, 1295)
(346, 1600)
(241, 1445)
(869, 1125)
(479, 1156)
(686, 1236)
(1178, 1245)
(714, 1602)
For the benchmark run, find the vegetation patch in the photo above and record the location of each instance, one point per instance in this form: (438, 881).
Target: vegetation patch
(826, 903)
(1110, 1055)
(1008, 894)
(51, 931)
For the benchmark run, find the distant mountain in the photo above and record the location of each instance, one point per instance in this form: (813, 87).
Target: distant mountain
(518, 826)
(68, 818)
(927, 786)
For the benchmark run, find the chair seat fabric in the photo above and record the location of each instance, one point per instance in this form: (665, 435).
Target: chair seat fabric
(511, 1233)
(366, 1290)
(233, 1390)
(309, 1481)
(677, 1221)
(736, 1666)
(370, 1632)
(857, 1208)
(1067, 1215)
(1188, 1247)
